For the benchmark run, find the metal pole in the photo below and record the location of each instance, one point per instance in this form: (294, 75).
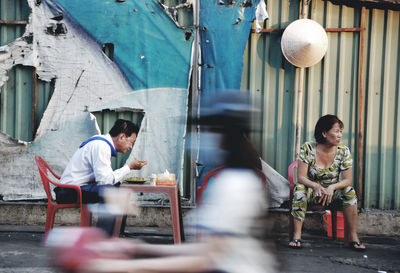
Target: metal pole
(299, 111)
(360, 107)
(304, 12)
(195, 102)
(337, 29)
(34, 104)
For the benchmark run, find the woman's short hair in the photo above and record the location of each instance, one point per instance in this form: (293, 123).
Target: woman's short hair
(324, 124)
(123, 126)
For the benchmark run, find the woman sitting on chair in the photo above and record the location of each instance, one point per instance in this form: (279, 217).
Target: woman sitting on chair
(320, 165)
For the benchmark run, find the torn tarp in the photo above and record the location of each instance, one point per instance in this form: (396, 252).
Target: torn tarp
(149, 48)
(224, 30)
(153, 55)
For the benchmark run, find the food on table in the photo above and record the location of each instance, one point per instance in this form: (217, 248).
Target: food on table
(135, 179)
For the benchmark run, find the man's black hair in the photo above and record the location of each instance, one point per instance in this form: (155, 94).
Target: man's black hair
(124, 126)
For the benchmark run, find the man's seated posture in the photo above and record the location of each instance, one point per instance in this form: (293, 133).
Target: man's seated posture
(90, 167)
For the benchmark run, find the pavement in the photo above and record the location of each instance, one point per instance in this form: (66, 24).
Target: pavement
(22, 251)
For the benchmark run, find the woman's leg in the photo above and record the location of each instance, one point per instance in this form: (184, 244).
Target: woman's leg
(296, 232)
(351, 217)
(350, 214)
(299, 207)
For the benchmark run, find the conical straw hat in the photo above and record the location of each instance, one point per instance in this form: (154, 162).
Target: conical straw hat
(304, 43)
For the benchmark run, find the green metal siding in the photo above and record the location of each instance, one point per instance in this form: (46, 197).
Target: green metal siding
(12, 10)
(44, 91)
(382, 145)
(17, 93)
(16, 103)
(332, 86)
(106, 119)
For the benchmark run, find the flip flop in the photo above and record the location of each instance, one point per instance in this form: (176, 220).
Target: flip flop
(355, 246)
(296, 241)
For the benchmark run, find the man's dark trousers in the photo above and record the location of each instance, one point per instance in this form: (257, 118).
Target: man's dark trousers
(91, 193)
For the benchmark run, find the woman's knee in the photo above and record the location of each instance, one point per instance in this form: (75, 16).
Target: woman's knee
(349, 196)
(299, 194)
(299, 191)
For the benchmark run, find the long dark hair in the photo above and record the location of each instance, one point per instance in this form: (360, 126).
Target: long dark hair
(241, 153)
(229, 114)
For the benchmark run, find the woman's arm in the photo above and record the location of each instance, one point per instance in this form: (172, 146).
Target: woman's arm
(303, 179)
(346, 181)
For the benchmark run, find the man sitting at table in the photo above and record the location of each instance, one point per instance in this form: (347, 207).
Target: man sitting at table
(90, 167)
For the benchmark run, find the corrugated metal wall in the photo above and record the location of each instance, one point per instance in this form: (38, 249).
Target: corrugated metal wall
(16, 104)
(332, 86)
(44, 91)
(23, 97)
(12, 10)
(382, 132)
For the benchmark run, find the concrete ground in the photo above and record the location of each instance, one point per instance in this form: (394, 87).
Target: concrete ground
(22, 251)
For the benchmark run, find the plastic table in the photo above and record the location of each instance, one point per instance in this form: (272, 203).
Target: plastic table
(175, 205)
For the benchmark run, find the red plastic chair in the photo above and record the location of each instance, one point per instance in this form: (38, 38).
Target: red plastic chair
(52, 205)
(214, 173)
(292, 173)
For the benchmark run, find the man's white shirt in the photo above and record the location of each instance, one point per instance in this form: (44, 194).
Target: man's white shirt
(92, 163)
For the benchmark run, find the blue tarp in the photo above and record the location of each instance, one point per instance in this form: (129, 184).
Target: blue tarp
(224, 32)
(149, 48)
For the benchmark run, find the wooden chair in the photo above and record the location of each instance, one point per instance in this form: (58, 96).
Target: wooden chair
(292, 177)
(212, 174)
(52, 205)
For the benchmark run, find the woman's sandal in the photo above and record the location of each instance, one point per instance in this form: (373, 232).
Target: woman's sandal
(356, 246)
(296, 241)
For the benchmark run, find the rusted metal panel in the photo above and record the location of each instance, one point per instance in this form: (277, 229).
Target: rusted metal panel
(332, 86)
(13, 22)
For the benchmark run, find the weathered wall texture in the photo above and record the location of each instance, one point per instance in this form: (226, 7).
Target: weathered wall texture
(85, 81)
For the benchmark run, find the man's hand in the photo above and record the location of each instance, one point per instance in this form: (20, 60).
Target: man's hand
(137, 164)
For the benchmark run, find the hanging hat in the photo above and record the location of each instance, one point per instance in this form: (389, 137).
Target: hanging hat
(304, 43)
